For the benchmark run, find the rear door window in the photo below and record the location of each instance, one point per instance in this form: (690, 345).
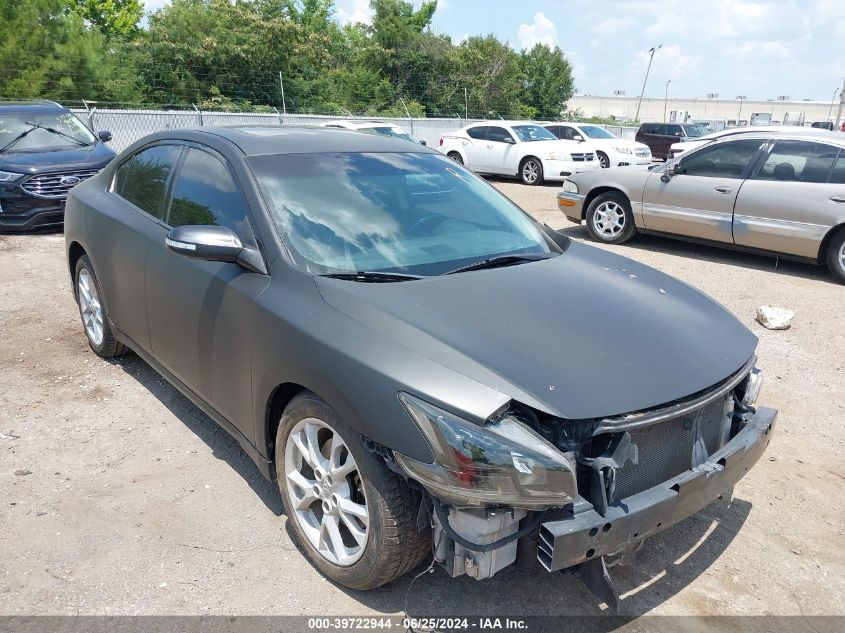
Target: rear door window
(142, 180)
(799, 161)
(206, 193)
(479, 132)
(567, 133)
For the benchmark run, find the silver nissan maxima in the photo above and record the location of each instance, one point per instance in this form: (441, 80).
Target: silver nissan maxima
(422, 368)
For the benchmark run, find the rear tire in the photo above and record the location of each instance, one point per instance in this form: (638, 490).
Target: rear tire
(609, 218)
(95, 319)
(531, 171)
(455, 156)
(353, 517)
(836, 255)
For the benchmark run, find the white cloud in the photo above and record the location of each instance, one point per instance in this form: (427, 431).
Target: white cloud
(613, 25)
(541, 31)
(354, 11)
(669, 62)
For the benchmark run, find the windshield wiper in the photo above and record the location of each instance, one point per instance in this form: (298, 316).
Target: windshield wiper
(499, 261)
(38, 126)
(372, 276)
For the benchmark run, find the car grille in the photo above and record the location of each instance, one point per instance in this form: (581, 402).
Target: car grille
(582, 157)
(56, 185)
(642, 153)
(665, 448)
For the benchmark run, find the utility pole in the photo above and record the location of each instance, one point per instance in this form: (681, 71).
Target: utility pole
(282, 86)
(651, 51)
(832, 100)
(466, 105)
(841, 106)
(666, 99)
(740, 98)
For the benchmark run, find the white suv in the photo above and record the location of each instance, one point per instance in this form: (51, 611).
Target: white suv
(518, 148)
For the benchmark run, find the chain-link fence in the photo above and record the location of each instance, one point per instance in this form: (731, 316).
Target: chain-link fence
(127, 126)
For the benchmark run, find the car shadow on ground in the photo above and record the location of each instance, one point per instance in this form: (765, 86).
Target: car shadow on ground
(704, 252)
(222, 445)
(665, 564)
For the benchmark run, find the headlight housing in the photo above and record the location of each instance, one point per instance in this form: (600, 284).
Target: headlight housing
(623, 150)
(552, 156)
(570, 187)
(502, 462)
(750, 386)
(10, 176)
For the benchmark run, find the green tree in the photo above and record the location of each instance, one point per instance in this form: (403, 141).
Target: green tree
(114, 18)
(547, 82)
(490, 72)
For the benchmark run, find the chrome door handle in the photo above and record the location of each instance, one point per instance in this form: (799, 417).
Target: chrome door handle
(837, 198)
(723, 189)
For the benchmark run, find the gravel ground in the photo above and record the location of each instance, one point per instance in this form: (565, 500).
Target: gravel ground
(120, 497)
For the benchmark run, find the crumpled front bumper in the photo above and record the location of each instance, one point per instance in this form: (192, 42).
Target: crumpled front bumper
(587, 535)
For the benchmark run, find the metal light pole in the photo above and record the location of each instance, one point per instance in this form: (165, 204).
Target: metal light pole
(832, 100)
(666, 99)
(841, 106)
(651, 51)
(740, 98)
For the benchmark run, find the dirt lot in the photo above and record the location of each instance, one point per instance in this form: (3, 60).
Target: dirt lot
(135, 503)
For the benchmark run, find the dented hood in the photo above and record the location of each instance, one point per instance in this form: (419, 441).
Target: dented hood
(584, 335)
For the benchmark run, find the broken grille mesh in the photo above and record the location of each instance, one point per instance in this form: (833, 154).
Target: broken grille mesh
(665, 448)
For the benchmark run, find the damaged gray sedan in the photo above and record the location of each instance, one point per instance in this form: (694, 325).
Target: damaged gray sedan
(419, 365)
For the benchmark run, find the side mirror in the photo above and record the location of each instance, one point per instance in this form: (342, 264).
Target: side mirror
(105, 136)
(423, 143)
(509, 141)
(214, 244)
(673, 169)
(578, 137)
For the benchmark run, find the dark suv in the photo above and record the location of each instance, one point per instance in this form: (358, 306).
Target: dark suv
(660, 136)
(44, 151)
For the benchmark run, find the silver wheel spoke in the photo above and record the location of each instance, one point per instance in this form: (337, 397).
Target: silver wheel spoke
(326, 496)
(90, 308)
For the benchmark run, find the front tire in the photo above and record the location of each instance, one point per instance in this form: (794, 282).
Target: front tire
(355, 519)
(531, 171)
(836, 256)
(95, 319)
(609, 218)
(604, 161)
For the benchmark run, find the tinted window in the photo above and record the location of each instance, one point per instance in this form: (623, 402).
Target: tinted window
(205, 193)
(399, 212)
(479, 132)
(838, 174)
(799, 161)
(499, 134)
(724, 160)
(142, 179)
(565, 132)
(672, 130)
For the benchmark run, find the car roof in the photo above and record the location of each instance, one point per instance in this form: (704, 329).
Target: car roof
(501, 122)
(801, 134)
(769, 129)
(268, 140)
(34, 105)
(357, 123)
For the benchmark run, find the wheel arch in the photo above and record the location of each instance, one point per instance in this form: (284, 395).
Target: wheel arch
(279, 399)
(822, 255)
(595, 193)
(74, 252)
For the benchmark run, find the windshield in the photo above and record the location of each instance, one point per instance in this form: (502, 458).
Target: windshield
(695, 131)
(594, 131)
(15, 124)
(395, 132)
(419, 214)
(528, 133)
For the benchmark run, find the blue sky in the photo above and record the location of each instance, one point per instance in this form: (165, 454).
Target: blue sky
(756, 48)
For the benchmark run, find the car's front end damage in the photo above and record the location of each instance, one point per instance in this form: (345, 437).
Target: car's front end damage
(580, 494)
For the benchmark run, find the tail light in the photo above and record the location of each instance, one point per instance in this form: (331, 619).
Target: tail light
(441, 141)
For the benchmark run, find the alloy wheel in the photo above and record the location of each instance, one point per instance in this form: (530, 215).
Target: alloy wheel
(90, 307)
(842, 256)
(609, 219)
(604, 161)
(530, 171)
(326, 492)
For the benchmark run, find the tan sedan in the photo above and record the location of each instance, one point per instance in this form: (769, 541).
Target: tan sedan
(777, 194)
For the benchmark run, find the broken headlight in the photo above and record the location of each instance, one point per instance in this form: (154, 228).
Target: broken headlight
(501, 463)
(750, 387)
